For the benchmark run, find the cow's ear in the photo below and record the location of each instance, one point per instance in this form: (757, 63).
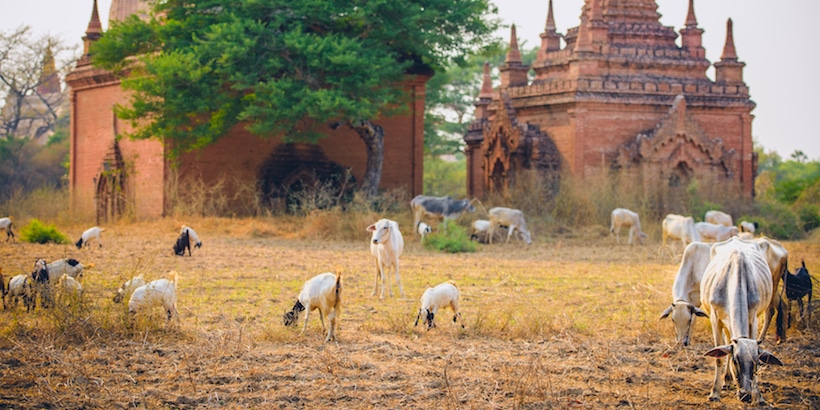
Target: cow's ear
(768, 358)
(719, 351)
(698, 312)
(371, 228)
(666, 312)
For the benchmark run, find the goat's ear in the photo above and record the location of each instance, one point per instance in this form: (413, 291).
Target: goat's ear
(802, 262)
(371, 228)
(666, 312)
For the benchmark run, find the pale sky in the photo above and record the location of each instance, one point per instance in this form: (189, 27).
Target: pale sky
(776, 40)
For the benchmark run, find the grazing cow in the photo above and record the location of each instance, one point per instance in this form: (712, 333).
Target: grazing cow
(440, 208)
(797, 286)
(622, 217)
(746, 226)
(513, 219)
(718, 218)
(386, 244)
(5, 224)
(735, 289)
(686, 290)
(183, 242)
(714, 232)
(679, 227)
(480, 230)
(777, 257)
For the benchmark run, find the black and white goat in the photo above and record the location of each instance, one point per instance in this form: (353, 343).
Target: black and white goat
(42, 284)
(88, 235)
(20, 286)
(3, 289)
(191, 235)
(5, 224)
(322, 292)
(798, 285)
(183, 242)
(443, 295)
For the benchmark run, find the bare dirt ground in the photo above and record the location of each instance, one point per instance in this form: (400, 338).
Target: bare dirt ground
(563, 323)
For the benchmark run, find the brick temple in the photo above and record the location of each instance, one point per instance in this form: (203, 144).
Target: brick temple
(111, 176)
(620, 97)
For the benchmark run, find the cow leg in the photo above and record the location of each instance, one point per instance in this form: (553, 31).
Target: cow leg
(510, 230)
(720, 369)
(630, 237)
(376, 281)
(398, 280)
(767, 320)
(322, 319)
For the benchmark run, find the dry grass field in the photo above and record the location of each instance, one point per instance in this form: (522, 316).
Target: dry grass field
(568, 322)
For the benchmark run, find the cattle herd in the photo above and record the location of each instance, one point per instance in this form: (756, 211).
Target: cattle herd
(733, 280)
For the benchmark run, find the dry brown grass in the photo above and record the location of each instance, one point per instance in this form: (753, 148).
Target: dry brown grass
(569, 322)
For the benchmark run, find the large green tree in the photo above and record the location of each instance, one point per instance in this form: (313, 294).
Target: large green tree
(282, 67)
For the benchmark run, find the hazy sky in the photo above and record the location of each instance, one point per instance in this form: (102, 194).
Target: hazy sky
(776, 40)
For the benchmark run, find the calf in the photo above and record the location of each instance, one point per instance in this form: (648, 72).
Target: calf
(513, 219)
(440, 208)
(713, 232)
(686, 291)
(735, 289)
(622, 217)
(386, 245)
(322, 292)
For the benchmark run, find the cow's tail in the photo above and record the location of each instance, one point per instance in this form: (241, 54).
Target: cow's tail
(338, 291)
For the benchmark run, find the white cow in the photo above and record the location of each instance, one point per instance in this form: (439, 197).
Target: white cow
(386, 244)
(686, 291)
(714, 232)
(777, 257)
(679, 227)
(622, 217)
(513, 219)
(736, 288)
(718, 218)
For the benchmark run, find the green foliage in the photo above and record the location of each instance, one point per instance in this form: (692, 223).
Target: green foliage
(281, 67)
(26, 166)
(444, 177)
(809, 217)
(778, 221)
(37, 232)
(454, 240)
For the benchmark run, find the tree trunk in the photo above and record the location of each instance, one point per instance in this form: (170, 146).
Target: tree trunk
(373, 137)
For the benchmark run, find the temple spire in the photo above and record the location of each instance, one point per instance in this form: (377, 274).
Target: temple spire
(550, 27)
(49, 81)
(691, 21)
(513, 54)
(94, 25)
(486, 83)
(92, 34)
(729, 52)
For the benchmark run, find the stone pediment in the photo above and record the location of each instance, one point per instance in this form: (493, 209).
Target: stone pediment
(677, 138)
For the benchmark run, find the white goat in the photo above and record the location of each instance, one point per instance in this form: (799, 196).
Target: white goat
(89, 234)
(66, 266)
(424, 229)
(157, 292)
(191, 235)
(443, 295)
(322, 292)
(5, 223)
(746, 226)
(21, 286)
(69, 286)
(386, 244)
(128, 288)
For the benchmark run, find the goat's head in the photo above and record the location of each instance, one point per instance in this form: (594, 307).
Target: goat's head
(40, 274)
(683, 316)
(291, 317)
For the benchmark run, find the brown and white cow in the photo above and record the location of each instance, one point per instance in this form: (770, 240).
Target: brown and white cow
(622, 217)
(735, 290)
(439, 208)
(685, 305)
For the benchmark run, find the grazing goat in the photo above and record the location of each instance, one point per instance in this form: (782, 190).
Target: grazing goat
(480, 231)
(42, 283)
(128, 288)
(622, 217)
(322, 292)
(157, 292)
(191, 235)
(443, 295)
(69, 286)
(182, 243)
(424, 230)
(89, 234)
(66, 266)
(750, 227)
(513, 219)
(686, 291)
(21, 286)
(735, 289)
(798, 285)
(718, 218)
(386, 245)
(5, 223)
(714, 232)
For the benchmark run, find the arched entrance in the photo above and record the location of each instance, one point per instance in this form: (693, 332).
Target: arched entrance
(109, 195)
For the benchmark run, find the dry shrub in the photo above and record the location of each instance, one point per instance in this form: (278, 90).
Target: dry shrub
(228, 196)
(47, 204)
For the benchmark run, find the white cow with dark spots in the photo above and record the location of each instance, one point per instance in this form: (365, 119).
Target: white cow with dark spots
(440, 208)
